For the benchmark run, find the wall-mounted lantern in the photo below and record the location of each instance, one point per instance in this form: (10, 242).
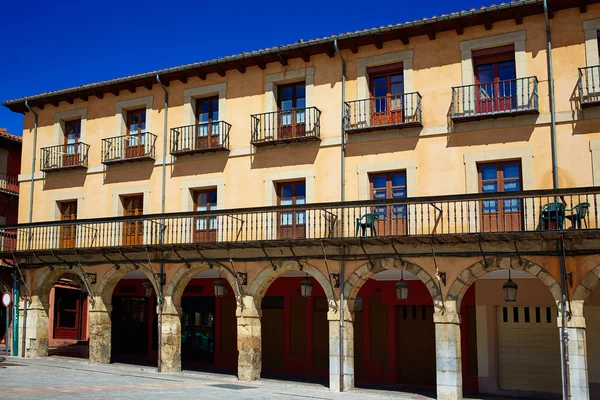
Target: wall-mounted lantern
(306, 287)
(148, 288)
(219, 287)
(510, 290)
(402, 288)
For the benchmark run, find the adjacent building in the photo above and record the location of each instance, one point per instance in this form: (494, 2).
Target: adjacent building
(428, 222)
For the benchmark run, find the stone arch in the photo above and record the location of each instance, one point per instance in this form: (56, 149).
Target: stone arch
(261, 283)
(184, 275)
(108, 282)
(587, 284)
(47, 280)
(363, 273)
(469, 275)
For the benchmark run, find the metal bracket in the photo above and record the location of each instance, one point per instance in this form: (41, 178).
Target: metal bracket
(162, 278)
(117, 266)
(187, 264)
(129, 260)
(22, 280)
(244, 277)
(86, 281)
(367, 254)
(518, 254)
(60, 259)
(91, 276)
(202, 256)
(570, 278)
(485, 263)
(296, 258)
(396, 250)
(336, 279)
(269, 258)
(441, 276)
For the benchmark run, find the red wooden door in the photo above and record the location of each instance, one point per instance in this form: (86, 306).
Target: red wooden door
(67, 234)
(292, 111)
(67, 313)
(207, 127)
(133, 231)
(501, 215)
(392, 220)
(387, 104)
(205, 227)
(292, 224)
(136, 129)
(71, 152)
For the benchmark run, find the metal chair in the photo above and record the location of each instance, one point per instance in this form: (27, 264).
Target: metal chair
(369, 222)
(578, 214)
(552, 213)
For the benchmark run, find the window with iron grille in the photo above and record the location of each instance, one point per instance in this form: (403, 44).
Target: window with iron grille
(272, 303)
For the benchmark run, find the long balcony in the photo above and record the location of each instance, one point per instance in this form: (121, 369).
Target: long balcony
(381, 113)
(9, 184)
(297, 125)
(589, 86)
(129, 148)
(497, 99)
(201, 138)
(513, 216)
(64, 157)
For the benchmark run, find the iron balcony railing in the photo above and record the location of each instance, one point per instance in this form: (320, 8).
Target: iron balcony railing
(9, 183)
(64, 156)
(489, 213)
(589, 85)
(495, 99)
(378, 113)
(128, 148)
(200, 138)
(297, 125)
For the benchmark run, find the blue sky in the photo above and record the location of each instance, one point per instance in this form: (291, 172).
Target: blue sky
(51, 45)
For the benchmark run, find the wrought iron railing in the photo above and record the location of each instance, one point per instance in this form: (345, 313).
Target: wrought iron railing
(589, 85)
(486, 100)
(300, 124)
(9, 183)
(489, 213)
(129, 148)
(64, 156)
(383, 112)
(200, 138)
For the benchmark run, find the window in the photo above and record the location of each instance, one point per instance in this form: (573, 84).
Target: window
(495, 75)
(133, 230)
(206, 227)
(391, 220)
(292, 224)
(207, 116)
(71, 142)
(68, 212)
(292, 116)
(136, 129)
(501, 177)
(387, 90)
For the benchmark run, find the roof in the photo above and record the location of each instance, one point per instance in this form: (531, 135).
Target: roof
(457, 21)
(5, 134)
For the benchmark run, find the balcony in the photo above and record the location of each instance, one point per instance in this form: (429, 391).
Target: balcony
(9, 184)
(279, 127)
(64, 157)
(497, 99)
(122, 149)
(508, 217)
(381, 113)
(589, 86)
(200, 138)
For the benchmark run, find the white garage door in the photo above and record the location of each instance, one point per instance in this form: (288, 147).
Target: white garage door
(528, 349)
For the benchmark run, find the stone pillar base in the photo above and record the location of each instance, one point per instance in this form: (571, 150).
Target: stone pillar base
(36, 329)
(337, 381)
(577, 351)
(249, 341)
(170, 351)
(100, 332)
(448, 358)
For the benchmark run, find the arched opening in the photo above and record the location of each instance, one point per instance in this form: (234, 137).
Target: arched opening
(295, 329)
(591, 312)
(68, 329)
(208, 325)
(509, 346)
(394, 338)
(134, 322)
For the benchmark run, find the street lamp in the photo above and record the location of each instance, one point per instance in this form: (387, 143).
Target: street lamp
(402, 288)
(510, 290)
(219, 287)
(148, 288)
(306, 287)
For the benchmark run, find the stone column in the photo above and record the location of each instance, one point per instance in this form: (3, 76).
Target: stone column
(36, 329)
(249, 340)
(336, 382)
(170, 351)
(577, 351)
(447, 353)
(100, 332)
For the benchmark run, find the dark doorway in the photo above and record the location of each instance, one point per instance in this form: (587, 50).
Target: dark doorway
(198, 329)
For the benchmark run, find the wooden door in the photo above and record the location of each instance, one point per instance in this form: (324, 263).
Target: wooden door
(392, 220)
(68, 233)
(71, 153)
(136, 133)
(207, 123)
(501, 215)
(292, 111)
(387, 104)
(495, 76)
(292, 224)
(205, 227)
(67, 313)
(133, 231)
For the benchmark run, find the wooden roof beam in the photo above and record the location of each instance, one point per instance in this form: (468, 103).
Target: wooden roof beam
(99, 94)
(182, 78)
(352, 46)
(377, 42)
(518, 17)
(84, 97)
(115, 92)
(55, 103)
(403, 37)
(330, 51)
(458, 28)
(221, 71)
(282, 59)
(431, 34)
(305, 56)
(583, 6)
(261, 63)
(131, 88)
(201, 74)
(148, 85)
(241, 68)
(70, 100)
(488, 24)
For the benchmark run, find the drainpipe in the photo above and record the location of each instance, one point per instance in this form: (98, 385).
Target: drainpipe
(564, 334)
(162, 210)
(343, 197)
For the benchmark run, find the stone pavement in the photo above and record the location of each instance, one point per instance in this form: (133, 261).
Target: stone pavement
(55, 378)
